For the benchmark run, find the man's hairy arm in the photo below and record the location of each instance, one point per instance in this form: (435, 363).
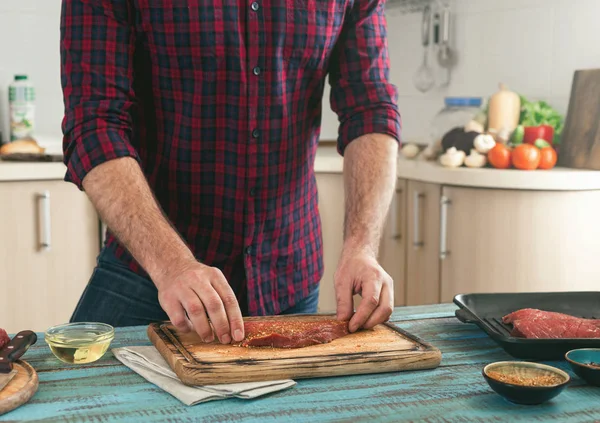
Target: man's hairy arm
(369, 181)
(187, 289)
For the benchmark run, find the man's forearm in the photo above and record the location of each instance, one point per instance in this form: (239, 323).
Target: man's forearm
(125, 203)
(369, 180)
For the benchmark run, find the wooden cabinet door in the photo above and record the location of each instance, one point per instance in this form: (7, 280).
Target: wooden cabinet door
(520, 241)
(392, 252)
(48, 247)
(422, 255)
(331, 210)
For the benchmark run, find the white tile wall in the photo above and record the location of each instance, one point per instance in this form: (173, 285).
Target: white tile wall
(29, 43)
(531, 45)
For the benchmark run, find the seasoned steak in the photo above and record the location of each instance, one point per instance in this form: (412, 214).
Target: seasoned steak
(539, 324)
(292, 334)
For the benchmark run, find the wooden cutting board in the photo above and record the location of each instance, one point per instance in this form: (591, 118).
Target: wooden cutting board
(385, 348)
(20, 389)
(580, 145)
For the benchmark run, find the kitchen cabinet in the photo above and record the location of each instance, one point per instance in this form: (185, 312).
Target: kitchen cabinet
(392, 251)
(518, 241)
(422, 247)
(392, 247)
(331, 210)
(49, 240)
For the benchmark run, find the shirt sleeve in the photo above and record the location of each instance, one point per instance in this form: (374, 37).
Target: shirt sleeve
(96, 50)
(361, 94)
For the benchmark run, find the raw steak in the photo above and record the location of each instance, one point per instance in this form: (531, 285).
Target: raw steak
(4, 338)
(533, 313)
(292, 334)
(539, 324)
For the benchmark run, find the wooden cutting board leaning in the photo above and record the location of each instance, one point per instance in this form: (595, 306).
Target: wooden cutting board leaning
(385, 348)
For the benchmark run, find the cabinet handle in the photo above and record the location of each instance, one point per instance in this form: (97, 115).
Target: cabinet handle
(396, 234)
(45, 220)
(417, 242)
(444, 203)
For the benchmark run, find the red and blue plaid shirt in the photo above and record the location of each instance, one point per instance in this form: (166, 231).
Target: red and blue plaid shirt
(220, 103)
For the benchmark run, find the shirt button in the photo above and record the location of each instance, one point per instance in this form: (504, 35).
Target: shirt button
(256, 70)
(255, 6)
(248, 250)
(252, 192)
(255, 133)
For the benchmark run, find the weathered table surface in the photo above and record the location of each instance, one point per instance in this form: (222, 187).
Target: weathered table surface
(107, 391)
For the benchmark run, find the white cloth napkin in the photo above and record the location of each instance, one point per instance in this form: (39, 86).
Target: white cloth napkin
(148, 363)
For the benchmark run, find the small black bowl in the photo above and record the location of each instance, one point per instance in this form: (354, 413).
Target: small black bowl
(520, 394)
(580, 361)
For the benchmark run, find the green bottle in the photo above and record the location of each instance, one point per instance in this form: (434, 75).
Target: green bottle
(21, 97)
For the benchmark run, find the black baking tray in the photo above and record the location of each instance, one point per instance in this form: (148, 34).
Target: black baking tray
(487, 310)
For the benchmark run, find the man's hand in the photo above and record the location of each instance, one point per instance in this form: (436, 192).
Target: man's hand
(359, 273)
(188, 291)
(194, 293)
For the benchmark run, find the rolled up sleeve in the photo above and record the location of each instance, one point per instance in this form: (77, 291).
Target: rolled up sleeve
(361, 93)
(96, 47)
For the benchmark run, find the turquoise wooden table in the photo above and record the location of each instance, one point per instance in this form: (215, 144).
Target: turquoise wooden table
(107, 391)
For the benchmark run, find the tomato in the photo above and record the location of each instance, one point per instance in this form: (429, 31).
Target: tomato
(526, 157)
(533, 133)
(499, 156)
(548, 158)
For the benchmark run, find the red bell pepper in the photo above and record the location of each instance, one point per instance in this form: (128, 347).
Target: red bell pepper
(532, 133)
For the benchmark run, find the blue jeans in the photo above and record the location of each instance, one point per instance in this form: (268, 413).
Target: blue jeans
(118, 296)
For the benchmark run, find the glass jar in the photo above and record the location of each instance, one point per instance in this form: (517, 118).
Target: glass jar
(458, 111)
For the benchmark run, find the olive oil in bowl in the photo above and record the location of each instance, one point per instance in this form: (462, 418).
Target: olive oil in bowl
(79, 343)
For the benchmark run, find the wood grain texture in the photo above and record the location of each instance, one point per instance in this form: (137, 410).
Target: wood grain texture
(106, 391)
(580, 143)
(385, 348)
(20, 389)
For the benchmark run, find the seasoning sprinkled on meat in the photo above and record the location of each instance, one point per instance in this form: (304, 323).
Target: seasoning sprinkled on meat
(291, 333)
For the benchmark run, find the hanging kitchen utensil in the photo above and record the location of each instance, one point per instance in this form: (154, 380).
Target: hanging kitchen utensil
(424, 79)
(446, 56)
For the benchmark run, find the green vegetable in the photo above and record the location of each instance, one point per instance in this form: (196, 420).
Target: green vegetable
(541, 113)
(517, 135)
(541, 143)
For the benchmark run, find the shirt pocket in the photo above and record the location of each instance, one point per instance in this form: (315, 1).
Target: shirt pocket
(183, 37)
(312, 29)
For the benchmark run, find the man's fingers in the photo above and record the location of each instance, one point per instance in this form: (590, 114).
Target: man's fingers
(371, 292)
(216, 312)
(197, 315)
(176, 314)
(232, 308)
(343, 295)
(384, 310)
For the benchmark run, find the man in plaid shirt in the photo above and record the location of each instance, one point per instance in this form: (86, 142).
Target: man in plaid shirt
(192, 125)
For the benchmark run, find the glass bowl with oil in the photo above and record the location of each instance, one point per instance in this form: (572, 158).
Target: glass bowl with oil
(81, 342)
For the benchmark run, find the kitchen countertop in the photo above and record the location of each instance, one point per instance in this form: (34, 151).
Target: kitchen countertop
(557, 179)
(329, 161)
(107, 391)
(31, 171)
